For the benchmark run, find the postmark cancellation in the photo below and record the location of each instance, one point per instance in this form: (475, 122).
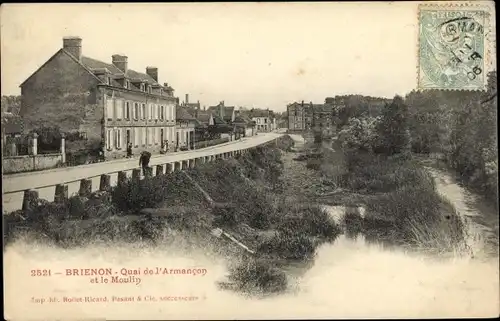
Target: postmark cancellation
(454, 47)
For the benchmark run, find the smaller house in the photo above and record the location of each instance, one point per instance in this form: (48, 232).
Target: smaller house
(227, 113)
(264, 119)
(245, 125)
(185, 129)
(204, 121)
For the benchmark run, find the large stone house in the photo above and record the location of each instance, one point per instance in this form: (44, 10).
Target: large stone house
(107, 103)
(300, 116)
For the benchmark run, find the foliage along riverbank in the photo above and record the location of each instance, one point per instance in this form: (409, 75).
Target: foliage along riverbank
(247, 203)
(371, 162)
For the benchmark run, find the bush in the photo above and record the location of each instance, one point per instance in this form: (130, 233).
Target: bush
(307, 220)
(416, 213)
(257, 275)
(285, 246)
(285, 143)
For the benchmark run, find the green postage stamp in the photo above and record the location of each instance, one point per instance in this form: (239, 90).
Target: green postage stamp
(453, 50)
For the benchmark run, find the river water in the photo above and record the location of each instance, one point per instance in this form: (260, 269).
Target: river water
(348, 278)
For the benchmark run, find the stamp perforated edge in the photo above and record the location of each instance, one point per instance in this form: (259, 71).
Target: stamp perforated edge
(489, 37)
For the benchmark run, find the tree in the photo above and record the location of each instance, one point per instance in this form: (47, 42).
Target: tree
(393, 129)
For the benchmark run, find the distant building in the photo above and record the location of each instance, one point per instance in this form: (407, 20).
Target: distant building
(107, 103)
(322, 118)
(300, 116)
(227, 113)
(185, 129)
(244, 123)
(264, 119)
(190, 106)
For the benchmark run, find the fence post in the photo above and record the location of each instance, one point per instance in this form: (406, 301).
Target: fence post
(30, 197)
(35, 144)
(63, 148)
(61, 193)
(136, 175)
(159, 170)
(122, 178)
(105, 183)
(85, 187)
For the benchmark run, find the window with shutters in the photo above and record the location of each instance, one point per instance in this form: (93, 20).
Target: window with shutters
(143, 111)
(136, 111)
(151, 111)
(109, 139)
(143, 136)
(136, 137)
(158, 108)
(127, 110)
(119, 109)
(118, 138)
(150, 136)
(110, 107)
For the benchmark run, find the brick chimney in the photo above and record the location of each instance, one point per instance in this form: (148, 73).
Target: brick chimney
(152, 72)
(121, 62)
(73, 45)
(187, 99)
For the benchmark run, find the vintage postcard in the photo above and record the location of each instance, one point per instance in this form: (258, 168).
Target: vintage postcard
(171, 161)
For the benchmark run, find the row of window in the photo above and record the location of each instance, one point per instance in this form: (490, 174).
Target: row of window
(126, 84)
(121, 109)
(118, 138)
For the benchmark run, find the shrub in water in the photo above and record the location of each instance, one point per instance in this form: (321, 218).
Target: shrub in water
(260, 276)
(284, 246)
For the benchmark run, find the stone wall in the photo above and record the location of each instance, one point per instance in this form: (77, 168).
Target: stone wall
(28, 163)
(62, 93)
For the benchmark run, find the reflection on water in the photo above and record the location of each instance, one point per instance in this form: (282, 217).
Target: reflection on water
(349, 278)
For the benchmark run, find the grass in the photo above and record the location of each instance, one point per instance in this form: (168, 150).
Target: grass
(258, 276)
(401, 201)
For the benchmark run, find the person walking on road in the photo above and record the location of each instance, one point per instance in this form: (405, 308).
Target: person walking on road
(144, 161)
(129, 150)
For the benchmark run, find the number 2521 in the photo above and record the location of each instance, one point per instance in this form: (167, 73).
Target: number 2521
(40, 273)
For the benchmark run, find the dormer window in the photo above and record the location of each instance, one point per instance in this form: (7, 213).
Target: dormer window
(149, 89)
(142, 87)
(126, 84)
(161, 91)
(108, 80)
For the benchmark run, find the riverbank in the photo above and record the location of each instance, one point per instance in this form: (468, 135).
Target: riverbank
(240, 197)
(388, 199)
(362, 277)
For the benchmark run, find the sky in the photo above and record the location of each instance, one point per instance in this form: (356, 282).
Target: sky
(263, 55)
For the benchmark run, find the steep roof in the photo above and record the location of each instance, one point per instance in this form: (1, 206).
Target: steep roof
(225, 112)
(182, 114)
(243, 118)
(203, 117)
(218, 120)
(259, 113)
(91, 64)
